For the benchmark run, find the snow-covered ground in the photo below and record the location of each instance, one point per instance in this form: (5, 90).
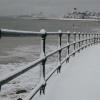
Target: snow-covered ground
(79, 80)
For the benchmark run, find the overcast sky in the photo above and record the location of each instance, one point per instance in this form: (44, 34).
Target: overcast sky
(49, 7)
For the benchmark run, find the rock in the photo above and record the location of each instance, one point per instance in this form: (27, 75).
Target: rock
(19, 99)
(20, 91)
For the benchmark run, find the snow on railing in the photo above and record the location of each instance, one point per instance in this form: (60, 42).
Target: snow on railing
(84, 39)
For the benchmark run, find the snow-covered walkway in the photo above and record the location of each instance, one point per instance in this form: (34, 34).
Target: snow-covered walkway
(79, 79)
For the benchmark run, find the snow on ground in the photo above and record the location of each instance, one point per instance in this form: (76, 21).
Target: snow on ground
(79, 80)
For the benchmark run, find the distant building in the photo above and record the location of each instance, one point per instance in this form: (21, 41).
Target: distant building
(82, 15)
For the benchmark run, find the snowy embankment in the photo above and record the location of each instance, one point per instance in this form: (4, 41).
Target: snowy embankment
(79, 80)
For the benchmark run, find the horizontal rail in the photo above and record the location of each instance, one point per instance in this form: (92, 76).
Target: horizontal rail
(15, 33)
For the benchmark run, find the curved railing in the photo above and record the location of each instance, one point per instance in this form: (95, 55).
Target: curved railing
(84, 39)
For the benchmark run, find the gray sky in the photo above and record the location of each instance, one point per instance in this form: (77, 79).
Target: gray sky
(49, 7)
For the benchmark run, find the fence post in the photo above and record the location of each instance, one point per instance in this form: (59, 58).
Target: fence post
(0, 87)
(79, 42)
(74, 40)
(68, 43)
(59, 47)
(0, 33)
(89, 38)
(0, 38)
(68, 37)
(82, 40)
(94, 38)
(86, 40)
(99, 38)
(74, 34)
(68, 48)
(42, 55)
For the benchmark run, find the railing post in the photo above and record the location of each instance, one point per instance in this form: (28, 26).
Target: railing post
(89, 39)
(0, 38)
(68, 43)
(0, 87)
(42, 55)
(82, 40)
(86, 39)
(82, 37)
(74, 45)
(68, 37)
(68, 48)
(94, 38)
(74, 36)
(79, 35)
(74, 40)
(79, 42)
(59, 55)
(99, 37)
(0, 33)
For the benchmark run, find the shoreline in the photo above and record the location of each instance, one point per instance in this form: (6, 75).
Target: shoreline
(70, 19)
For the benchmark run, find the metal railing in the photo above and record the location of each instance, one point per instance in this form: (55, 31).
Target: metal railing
(80, 41)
